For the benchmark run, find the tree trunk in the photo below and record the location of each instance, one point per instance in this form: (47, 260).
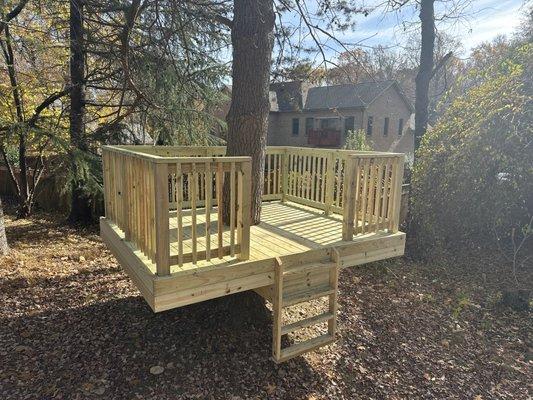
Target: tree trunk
(252, 38)
(80, 211)
(4, 248)
(23, 190)
(425, 70)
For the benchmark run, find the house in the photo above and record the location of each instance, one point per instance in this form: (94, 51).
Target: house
(303, 115)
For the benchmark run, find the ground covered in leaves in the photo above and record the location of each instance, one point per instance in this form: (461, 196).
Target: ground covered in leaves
(73, 326)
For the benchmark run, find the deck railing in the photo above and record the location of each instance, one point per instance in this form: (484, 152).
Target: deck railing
(145, 186)
(139, 191)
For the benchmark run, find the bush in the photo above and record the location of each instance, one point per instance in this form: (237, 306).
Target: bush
(356, 140)
(473, 179)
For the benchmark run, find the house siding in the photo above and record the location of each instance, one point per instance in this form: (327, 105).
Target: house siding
(280, 125)
(389, 104)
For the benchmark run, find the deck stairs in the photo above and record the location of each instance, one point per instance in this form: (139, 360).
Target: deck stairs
(300, 284)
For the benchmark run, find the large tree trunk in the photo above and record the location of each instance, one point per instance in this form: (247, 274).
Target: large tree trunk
(80, 206)
(4, 248)
(425, 70)
(252, 37)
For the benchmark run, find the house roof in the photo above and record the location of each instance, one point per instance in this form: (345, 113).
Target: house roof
(298, 96)
(350, 95)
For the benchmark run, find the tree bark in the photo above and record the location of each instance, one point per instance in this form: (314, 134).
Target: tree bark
(4, 248)
(252, 38)
(425, 70)
(80, 211)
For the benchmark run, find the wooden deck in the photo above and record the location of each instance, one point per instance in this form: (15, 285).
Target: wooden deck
(285, 228)
(323, 210)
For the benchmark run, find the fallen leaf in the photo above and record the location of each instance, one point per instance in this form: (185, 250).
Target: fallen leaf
(156, 370)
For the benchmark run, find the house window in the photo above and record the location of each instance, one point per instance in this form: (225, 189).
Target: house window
(369, 125)
(295, 126)
(349, 125)
(329, 123)
(400, 126)
(309, 125)
(386, 126)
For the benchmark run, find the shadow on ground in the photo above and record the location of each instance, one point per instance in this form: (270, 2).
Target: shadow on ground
(219, 348)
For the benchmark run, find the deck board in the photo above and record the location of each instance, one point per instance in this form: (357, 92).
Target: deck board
(285, 228)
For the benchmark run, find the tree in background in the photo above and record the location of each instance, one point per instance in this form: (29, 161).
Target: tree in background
(149, 71)
(80, 209)
(31, 87)
(473, 182)
(4, 248)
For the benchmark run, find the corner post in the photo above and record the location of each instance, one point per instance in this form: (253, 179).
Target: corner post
(348, 197)
(244, 215)
(162, 244)
(397, 194)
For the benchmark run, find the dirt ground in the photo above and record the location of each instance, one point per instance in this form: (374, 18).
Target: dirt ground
(73, 326)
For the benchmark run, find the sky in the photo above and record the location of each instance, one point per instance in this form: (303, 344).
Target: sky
(483, 20)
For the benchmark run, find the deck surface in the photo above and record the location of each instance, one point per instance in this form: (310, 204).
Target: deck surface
(285, 228)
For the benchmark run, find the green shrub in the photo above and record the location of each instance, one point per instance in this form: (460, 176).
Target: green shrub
(356, 140)
(473, 177)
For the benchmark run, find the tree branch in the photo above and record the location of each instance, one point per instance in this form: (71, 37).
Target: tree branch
(441, 63)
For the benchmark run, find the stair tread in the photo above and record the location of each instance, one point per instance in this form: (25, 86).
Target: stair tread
(307, 295)
(309, 267)
(304, 323)
(305, 347)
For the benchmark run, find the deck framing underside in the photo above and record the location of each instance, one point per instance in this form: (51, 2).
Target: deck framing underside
(295, 234)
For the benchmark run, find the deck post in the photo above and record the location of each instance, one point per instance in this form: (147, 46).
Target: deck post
(348, 198)
(244, 212)
(162, 255)
(397, 193)
(330, 182)
(284, 175)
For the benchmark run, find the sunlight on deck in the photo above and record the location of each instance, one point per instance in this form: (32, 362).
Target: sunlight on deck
(285, 228)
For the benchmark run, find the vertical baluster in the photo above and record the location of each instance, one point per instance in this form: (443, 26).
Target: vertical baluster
(301, 177)
(179, 211)
(193, 196)
(269, 172)
(378, 195)
(143, 211)
(357, 193)
(313, 178)
(208, 195)
(232, 209)
(276, 175)
(385, 200)
(220, 228)
(371, 195)
(364, 194)
(307, 177)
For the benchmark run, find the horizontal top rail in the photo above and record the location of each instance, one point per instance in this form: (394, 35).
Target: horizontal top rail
(162, 153)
